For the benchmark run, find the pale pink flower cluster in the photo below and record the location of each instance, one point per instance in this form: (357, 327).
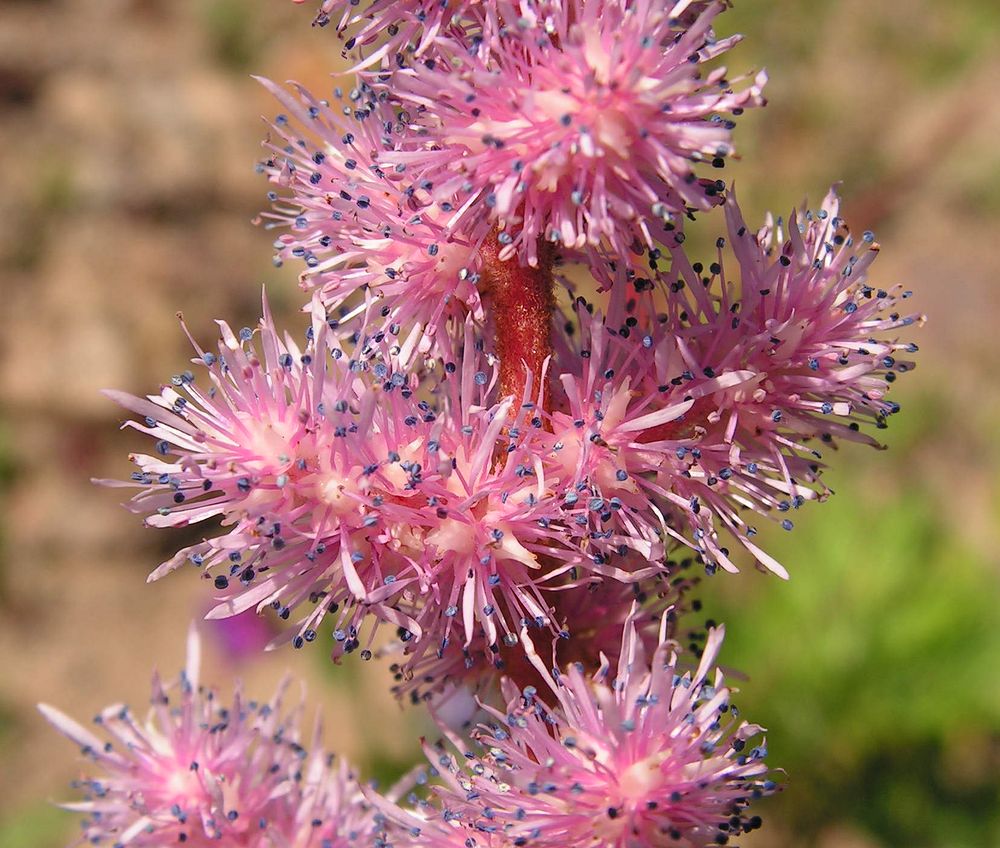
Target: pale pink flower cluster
(504, 488)
(583, 127)
(392, 31)
(645, 753)
(357, 223)
(201, 771)
(697, 396)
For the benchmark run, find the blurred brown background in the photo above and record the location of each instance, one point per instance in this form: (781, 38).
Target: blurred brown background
(129, 133)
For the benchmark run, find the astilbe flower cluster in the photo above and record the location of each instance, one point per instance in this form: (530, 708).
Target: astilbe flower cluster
(699, 396)
(582, 127)
(344, 491)
(644, 753)
(357, 223)
(199, 770)
(504, 487)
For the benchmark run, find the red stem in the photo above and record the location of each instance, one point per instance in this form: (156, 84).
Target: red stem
(521, 301)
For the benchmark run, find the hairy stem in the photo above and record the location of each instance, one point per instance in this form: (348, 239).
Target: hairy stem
(520, 301)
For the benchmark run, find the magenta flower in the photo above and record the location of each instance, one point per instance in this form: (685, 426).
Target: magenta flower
(240, 637)
(357, 223)
(583, 127)
(204, 772)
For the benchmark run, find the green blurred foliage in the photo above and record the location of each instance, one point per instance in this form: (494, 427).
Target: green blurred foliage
(234, 34)
(36, 826)
(929, 43)
(874, 667)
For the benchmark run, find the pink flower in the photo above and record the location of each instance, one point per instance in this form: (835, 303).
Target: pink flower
(359, 224)
(298, 456)
(805, 318)
(639, 427)
(588, 618)
(204, 772)
(676, 422)
(583, 126)
(614, 762)
(346, 491)
(399, 29)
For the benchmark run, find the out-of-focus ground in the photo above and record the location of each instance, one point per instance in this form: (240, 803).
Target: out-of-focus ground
(129, 130)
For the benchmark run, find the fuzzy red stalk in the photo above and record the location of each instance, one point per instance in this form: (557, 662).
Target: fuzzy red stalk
(521, 301)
